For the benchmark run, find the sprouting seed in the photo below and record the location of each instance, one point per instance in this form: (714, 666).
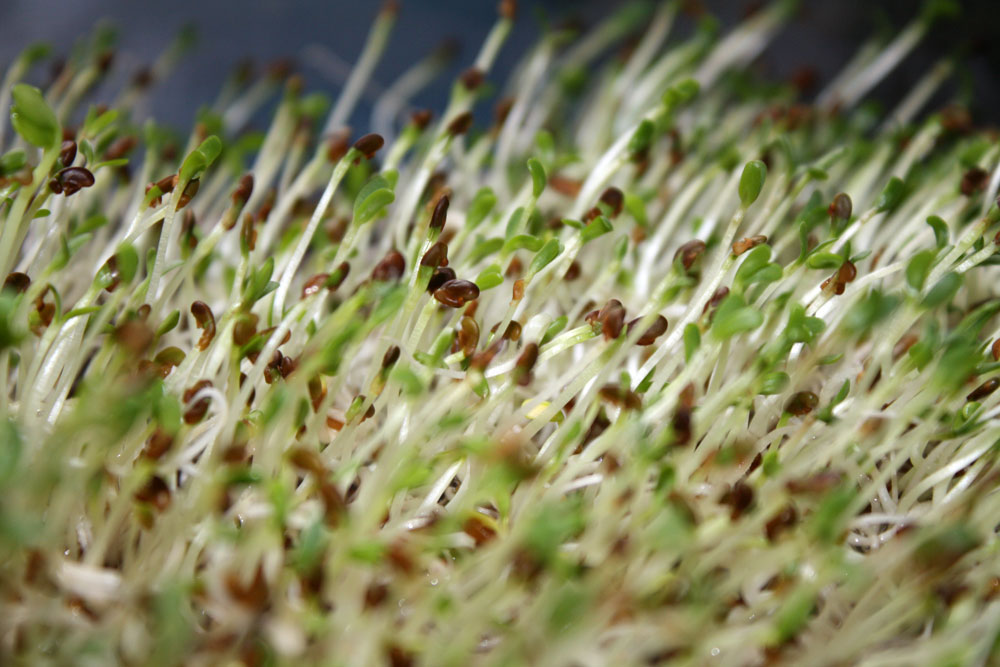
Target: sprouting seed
(460, 124)
(74, 179)
(841, 207)
(205, 320)
(67, 152)
(441, 275)
(369, 144)
(440, 214)
(612, 319)
(747, 243)
(984, 390)
(391, 268)
(656, 329)
(456, 293)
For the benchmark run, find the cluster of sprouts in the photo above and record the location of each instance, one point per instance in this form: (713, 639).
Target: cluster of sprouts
(662, 363)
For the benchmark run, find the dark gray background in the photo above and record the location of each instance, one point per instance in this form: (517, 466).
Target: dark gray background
(823, 35)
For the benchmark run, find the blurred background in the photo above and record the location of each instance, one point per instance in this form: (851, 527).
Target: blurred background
(823, 36)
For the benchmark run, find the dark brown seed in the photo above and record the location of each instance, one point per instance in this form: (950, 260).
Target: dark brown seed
(995, 349)
(248, 233)
(502, 110)
(67, 152)
(841, 207)
(689, 253)
(903, 345)
(134, 335)
(508, 9)
(573, 272)
(190, 190)
(336, 145)
(436, 255)
(74, 179)
(421, 118)
(390, 357)
(747, 243)
(441, 275)
(245, 329)
(973, 181)
(206, 322)
(847, 272)
(440, 214)
(317, 392)
(315, 284)
(17, 282)
(167, 183)
(468, 335)
(193, 390)
(983, 390)
(369, 144)
(243, 190)
(780, 522)
(155, 492)
(518, 290)
(55, 186)
(460, 124)
(526, 363)
(512, 332)
(482, 359)
(455, 293)
(158, 444)
(120, 147)
(613, 199)
(476, 528)
(681, 425)
(391, 267)
(566, 186)
(655, 330)
(308, 460)
(739, 498)
(620, 397)
(816, 484)
(612, 319)
(516, 267)
(472, 78)
(802, 403)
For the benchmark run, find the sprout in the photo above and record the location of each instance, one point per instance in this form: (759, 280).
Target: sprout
(512, 391)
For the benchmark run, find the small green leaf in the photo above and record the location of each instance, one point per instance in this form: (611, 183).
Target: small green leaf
(368, 208)
(637, 209)
(595, 228)
(752, 182)
(642, 136)
(481, 206)
(12, 161)
(489, 277)
(200, 158)
(940, 228)
(32, 117)
(734, 317)
(943, 290)
(918, 267)
(824, 260)
(892, 195)
(554, 328)
(522, 241)
(128, 262)
(538, 178)
(168, 324)
(773, 383)
(549, 252)
(692, 340)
